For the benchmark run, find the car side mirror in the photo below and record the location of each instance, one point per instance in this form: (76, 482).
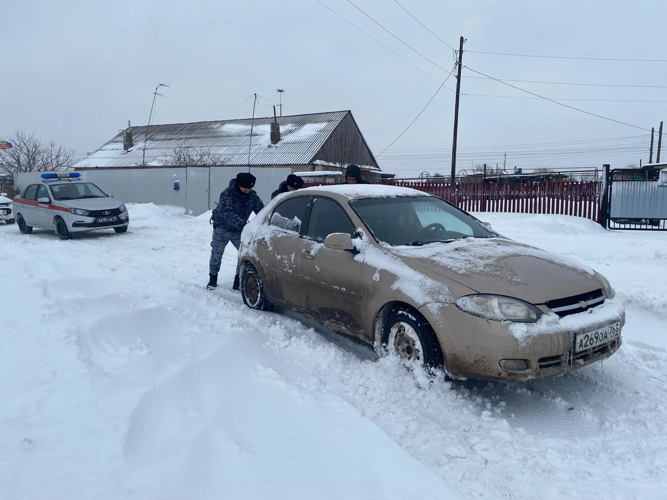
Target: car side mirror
(44, 201)
(340, 241)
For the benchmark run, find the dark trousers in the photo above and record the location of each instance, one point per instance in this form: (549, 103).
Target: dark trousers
(220, 239)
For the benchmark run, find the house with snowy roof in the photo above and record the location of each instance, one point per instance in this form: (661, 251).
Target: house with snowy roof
(310, 142)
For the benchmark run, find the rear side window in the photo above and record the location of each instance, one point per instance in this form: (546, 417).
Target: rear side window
(290, 214)
(31, 192)
(328, 217)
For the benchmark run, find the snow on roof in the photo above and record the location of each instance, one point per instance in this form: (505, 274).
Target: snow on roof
(318, 173)
(302, 136)
(356, 191)
(343, 165)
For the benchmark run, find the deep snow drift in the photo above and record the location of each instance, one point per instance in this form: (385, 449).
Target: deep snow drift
(121, 377)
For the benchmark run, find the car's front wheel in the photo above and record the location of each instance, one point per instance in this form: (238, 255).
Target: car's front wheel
(252, 289)
(61, 229)
(408, 335)
(23, 227)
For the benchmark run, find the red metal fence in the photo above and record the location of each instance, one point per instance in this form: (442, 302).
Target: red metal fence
(581, 199)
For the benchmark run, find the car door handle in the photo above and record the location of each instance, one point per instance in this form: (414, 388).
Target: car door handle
(307, 254)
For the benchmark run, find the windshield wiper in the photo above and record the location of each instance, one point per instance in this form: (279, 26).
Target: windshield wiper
(422, 243)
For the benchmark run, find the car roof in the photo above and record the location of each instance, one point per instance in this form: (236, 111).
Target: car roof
(343, 192)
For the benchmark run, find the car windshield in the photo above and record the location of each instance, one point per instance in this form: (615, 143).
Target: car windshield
(417, 221)
(76, 191)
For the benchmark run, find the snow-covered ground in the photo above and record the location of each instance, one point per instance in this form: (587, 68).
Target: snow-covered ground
(121, 377)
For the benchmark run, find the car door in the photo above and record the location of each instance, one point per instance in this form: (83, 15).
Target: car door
(276, 250)
(43, 215)
(330, 280)
(27, 207)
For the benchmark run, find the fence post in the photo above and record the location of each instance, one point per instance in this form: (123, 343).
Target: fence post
(606, 188)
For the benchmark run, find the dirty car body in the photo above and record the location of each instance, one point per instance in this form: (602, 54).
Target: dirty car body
(410, 273)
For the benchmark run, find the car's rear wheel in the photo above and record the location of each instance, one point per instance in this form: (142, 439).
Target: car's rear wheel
(252, 289)
(61, 229)
(120, 229)
(408, 335)
(23, 227)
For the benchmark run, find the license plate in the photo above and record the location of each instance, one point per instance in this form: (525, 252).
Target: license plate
(104, 220)
(594, 338)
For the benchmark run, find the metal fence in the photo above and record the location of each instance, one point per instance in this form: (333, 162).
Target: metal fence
(198, 187)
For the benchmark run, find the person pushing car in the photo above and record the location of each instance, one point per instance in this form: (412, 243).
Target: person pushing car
(292, 183)
(236, 204)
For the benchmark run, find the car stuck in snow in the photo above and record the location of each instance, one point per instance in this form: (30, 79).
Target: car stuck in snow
(411, 274)
(66, 204)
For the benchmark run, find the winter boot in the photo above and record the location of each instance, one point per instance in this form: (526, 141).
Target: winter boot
(235, 286)
(212, 281)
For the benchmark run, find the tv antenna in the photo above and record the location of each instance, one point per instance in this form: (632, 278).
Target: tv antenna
(150, 116)
(281, 92)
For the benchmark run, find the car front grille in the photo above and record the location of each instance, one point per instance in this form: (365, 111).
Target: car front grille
(4, 204)
(576, 303)
(105, 213)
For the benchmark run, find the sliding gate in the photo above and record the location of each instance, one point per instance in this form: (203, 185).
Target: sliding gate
(635, 199)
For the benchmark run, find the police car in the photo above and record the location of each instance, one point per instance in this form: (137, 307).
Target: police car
(67, 204)
(6, 212)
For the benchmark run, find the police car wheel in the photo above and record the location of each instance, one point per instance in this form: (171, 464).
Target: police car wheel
(61, 230)
(23, 227)
(120, 229)
(252, 289)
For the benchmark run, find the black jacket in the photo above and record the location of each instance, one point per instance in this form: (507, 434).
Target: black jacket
(235, 207)
(282, 188)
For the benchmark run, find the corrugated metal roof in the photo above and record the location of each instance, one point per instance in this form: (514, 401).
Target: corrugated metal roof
(302, 136)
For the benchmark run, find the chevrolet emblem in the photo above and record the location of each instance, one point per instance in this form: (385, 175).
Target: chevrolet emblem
(583, 304)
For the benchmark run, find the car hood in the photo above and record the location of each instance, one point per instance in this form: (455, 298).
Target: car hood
(4, 199)
(503, 267)
(92, 203)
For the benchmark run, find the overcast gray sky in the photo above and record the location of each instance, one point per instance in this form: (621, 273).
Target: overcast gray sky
(77, 71)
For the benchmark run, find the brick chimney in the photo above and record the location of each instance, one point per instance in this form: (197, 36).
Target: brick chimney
(275, 129)
(128, 142)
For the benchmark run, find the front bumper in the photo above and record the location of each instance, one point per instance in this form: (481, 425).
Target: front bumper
(473, 347)
(6, 213)
(77, 223)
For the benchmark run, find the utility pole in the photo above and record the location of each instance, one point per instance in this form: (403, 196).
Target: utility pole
(456, 109)
(650, 156)
(505, 162)
(252, 125)
(657, 160)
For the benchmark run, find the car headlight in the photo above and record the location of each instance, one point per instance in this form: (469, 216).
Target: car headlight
(608, 290)
(499, 308)
(123, 208)
(79, 211)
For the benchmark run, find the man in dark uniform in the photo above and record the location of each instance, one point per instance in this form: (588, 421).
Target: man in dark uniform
(292, 183)
(236, 204)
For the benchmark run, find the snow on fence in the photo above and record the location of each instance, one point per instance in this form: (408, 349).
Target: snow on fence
(580, 199)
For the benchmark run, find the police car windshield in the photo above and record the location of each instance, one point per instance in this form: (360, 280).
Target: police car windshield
(76, 191)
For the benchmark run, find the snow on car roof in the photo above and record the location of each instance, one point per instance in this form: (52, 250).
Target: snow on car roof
(356, 191)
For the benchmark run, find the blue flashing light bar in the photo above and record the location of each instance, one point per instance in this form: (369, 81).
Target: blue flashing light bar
(61, 175)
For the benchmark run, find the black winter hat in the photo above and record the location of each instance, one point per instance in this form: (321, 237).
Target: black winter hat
(353, 171)
(294, 181)
(245, 180)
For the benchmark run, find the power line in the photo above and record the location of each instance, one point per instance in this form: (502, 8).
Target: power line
(559, 103)
(420, 113)
(379, 42)
(424, 26)
(565, 99)
(577, 84)
(566, 57)
(397, 38)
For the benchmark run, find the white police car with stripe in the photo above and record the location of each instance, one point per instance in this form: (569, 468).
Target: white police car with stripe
(67, 204)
